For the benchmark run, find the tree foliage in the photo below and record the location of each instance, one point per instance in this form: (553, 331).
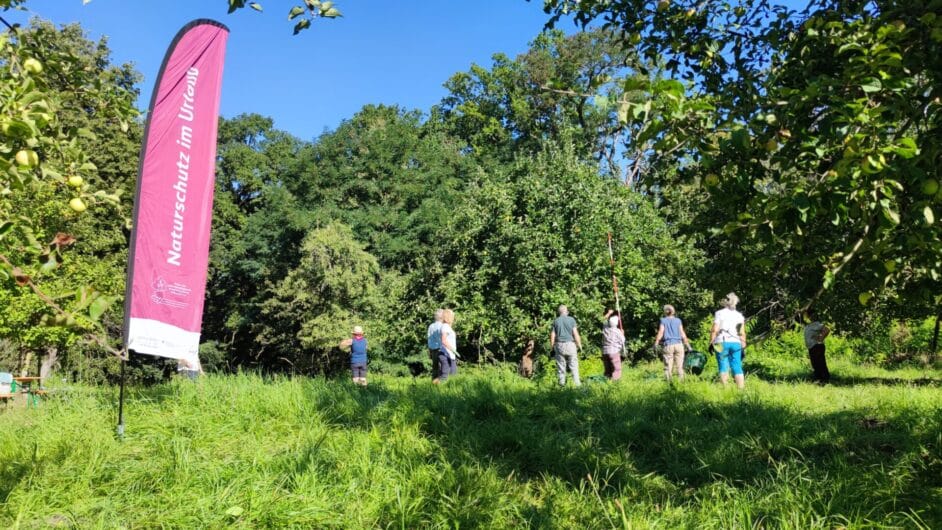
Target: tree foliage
(823, 153)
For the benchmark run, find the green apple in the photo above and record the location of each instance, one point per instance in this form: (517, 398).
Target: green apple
(76, 181)
(33, 66)
(78, 205)
(930, 187)
(27, 157)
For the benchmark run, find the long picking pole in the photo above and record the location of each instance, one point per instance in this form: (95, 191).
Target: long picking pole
(611, 259)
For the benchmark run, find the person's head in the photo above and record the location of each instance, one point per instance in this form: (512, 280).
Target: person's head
(448, 316)
(438, 314)
(669, 310)
(357, 332)
(613, 321)
(562, 310)
(730, 300)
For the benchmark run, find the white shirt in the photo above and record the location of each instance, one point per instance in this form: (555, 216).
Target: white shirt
(728, 322)
(812, 331)
(449, 336)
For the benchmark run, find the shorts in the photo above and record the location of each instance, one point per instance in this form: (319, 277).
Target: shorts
(359, 369)
(729, 357)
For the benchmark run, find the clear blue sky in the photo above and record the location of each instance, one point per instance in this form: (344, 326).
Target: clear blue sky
(393, 52)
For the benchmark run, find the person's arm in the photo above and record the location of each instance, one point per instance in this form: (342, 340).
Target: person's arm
(742, 335)
(575, 335)
(346, 343)
(713, 331)
(825, 331)
(608, 314)
(660, 333)
(683, 335)
(447, 346)
(552, 338)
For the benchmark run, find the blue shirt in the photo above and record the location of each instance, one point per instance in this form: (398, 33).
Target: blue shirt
(563, 327)
(358, 351)
(435, 336)
(671, 331)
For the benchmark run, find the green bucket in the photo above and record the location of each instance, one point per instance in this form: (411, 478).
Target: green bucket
(694, 362)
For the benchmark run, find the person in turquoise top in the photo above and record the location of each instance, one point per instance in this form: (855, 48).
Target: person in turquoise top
(566, 344)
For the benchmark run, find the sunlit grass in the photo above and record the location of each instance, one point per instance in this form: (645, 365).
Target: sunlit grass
(485, 450)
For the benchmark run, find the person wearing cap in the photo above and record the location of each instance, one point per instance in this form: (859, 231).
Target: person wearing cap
(613, 343)
(448, 354)
(673, 339)
(357, 345)
(728, 339)
(566, 344)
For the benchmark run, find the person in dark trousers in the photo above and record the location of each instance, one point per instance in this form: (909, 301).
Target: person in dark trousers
(815, 333)
(434, 341)
(448, 355)
(357, 345)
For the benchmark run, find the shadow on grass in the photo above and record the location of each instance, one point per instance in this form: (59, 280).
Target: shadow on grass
(776, 376)
(872, 464)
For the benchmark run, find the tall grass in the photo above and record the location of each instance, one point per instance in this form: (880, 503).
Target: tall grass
(485, 450)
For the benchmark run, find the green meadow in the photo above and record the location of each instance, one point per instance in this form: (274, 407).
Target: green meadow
(486, 450)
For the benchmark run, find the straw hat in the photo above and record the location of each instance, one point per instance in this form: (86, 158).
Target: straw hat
(357, 330)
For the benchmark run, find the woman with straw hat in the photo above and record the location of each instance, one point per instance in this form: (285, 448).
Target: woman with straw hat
(357, 345)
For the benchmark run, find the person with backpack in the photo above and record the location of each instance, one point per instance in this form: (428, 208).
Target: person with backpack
(357, 344)
(675, 341)
(728, 339)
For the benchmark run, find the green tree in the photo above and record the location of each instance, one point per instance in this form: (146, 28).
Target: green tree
(386, 174)
(335, 286)
(822, 156)
(72, 112)
(533, 235)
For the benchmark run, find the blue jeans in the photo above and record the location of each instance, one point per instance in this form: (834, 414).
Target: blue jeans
(447, 366)
(729, 357)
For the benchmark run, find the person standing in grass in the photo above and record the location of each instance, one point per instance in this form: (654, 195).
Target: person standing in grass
(434, 341)
(728, 338)
(448, 353)
(565, 341)
(613, 344)
(815, 333)
(357, 345)
(671, 335)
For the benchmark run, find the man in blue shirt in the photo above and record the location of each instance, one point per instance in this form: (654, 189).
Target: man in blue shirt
(434, 341)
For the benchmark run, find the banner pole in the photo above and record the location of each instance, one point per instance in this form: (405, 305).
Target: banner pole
(121, 397)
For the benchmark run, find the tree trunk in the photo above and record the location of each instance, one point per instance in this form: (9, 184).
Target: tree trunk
(935, 336)
(24, 367)
(52, 354)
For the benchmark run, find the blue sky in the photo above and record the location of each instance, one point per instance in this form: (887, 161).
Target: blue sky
(380, 52)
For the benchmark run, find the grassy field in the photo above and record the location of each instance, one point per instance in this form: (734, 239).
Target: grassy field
(486, 450)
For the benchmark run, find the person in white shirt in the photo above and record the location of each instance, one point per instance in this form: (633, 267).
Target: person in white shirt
(448, 355)
(728, 338)
(815, 332)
